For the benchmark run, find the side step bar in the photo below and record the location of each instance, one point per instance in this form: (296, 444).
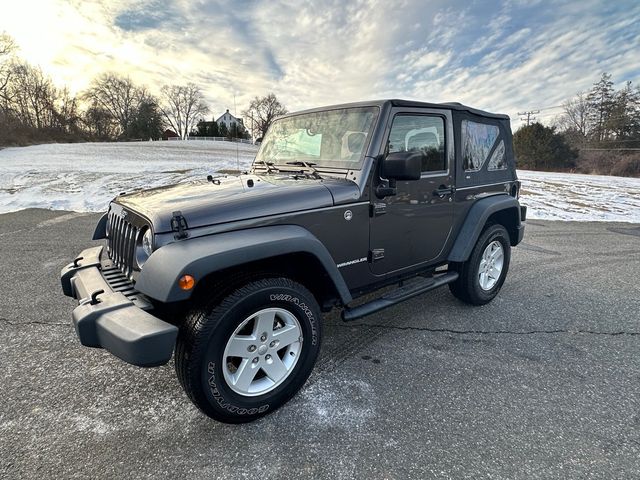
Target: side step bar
(398, 295)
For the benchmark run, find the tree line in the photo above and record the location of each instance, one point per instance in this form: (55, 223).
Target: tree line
(598, 132)
(34, 110)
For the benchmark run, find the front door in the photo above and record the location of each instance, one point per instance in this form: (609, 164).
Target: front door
(411, 228)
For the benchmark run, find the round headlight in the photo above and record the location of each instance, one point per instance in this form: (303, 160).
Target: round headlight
(144, 246)
(147, 242)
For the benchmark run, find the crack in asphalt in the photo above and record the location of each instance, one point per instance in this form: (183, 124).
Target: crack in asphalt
(33, 322)
(419, 329)
(486, 332)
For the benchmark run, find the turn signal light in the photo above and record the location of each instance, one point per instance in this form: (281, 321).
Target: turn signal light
(186, 282)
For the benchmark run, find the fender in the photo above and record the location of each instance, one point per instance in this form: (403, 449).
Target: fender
(101, 228)
(201, 256)
(475, 221)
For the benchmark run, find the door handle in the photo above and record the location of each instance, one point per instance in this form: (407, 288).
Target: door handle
(442, 191)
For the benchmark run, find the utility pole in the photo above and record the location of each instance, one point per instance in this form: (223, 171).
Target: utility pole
(529, 118)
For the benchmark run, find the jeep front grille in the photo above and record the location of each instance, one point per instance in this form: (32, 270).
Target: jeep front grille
(121, 242)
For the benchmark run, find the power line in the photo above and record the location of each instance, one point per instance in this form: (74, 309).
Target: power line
(552, 107)
(611, 149)
(529, 115)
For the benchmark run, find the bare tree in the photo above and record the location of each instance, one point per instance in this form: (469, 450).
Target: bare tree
(577, 115)
(7, 47)
(262, 112)
(67, 115)
(182, 107)
(119, 96)
(99, 123)
(31, 96)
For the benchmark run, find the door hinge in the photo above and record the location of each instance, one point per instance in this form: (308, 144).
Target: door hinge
(179, 225)
(377, 209)
(376, 254)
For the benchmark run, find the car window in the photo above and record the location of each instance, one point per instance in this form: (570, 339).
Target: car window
(477, 141)
(327, 138)
(498, 160)
(420, 133)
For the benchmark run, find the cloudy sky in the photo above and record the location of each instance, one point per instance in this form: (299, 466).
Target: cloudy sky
(505, 56)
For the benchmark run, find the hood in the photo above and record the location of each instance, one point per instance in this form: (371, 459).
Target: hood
(233, 198)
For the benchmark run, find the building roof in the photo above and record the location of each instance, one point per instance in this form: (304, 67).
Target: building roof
(230, 114)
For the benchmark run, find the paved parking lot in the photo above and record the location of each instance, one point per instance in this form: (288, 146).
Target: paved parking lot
(542, 383)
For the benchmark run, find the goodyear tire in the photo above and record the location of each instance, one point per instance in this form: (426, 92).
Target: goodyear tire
(482, 276)
(248, 354)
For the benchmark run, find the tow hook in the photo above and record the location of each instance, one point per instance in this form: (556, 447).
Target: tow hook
(93, 298)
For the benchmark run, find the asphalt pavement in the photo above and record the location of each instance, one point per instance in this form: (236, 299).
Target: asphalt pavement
(541, 383)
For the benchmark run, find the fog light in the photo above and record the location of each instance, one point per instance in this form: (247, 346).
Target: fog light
(186, 282)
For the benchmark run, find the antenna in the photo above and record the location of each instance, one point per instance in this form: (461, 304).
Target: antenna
(235, 114)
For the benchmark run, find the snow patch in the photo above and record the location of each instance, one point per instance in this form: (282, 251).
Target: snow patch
(60, 219)
(84, 177)
(576, 197)
(341, 404)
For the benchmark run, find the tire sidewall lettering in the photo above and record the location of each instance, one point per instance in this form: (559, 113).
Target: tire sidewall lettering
(219, 396)
(285, 297)
(222, 403)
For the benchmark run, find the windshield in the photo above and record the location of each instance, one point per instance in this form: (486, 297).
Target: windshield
(331, 138)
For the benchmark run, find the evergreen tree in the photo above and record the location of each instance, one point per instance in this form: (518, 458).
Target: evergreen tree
(601, 103)
(146, 122)
(623, 120)
(213, 130)
(541, 148)
(202, 129)
(223, 131)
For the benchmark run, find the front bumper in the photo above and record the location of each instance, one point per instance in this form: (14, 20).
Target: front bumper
(111, 314)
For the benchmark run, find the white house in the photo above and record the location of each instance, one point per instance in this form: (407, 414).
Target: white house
(228, 119)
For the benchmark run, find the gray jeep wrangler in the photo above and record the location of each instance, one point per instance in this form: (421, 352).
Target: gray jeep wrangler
(232, 273)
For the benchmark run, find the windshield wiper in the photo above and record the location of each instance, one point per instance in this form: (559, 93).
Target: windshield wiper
(269, 165)
(309, 165)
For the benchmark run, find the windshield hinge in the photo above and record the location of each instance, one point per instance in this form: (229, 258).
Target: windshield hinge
(179, 224)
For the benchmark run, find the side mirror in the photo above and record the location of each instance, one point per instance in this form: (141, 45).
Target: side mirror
(402, 166)
(399, 166)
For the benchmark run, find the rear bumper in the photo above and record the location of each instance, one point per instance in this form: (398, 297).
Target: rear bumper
(111, 314)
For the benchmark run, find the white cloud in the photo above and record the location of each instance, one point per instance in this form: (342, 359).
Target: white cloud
(504, 56)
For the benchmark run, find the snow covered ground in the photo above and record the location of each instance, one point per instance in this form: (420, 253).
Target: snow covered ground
(85, 176)
(571, 196)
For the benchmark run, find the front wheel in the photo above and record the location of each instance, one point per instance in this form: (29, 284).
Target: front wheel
(249, 354)
(482, 276)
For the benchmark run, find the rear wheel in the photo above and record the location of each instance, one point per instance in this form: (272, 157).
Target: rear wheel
(249, 354)
(482, 276)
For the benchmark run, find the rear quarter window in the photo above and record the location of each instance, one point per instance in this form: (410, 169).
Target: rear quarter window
(478, 140)
(498, 160)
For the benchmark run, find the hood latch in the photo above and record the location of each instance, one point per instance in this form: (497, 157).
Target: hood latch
(179, 225)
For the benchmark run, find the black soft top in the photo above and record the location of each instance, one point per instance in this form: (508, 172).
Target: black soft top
(410, 104)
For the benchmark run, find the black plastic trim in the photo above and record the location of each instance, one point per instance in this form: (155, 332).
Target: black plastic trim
(398, 295)
(101, 228)
(115, 320)
(202, 256)
(475, 222)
